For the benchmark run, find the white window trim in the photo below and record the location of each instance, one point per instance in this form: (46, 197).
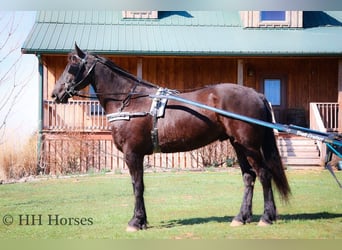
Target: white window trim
(251, 19)
(150, 14)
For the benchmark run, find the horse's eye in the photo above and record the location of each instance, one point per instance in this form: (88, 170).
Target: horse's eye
(73, 58)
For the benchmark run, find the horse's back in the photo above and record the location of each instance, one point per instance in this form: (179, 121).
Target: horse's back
(185, 127)
(240, 99)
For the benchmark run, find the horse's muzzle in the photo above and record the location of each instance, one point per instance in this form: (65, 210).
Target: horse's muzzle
(60, 98)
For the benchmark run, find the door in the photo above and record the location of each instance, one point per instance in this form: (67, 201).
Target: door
(274, 90)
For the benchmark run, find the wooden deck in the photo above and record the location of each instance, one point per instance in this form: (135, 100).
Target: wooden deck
(76, 138)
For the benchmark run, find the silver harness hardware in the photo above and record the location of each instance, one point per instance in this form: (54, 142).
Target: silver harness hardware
(124, 116)
(157, 111)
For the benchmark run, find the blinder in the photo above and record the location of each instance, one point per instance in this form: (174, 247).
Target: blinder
(74, 69)
(77, 70)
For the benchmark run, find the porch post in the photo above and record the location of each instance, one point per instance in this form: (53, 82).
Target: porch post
(340, 95)
(240, 72)
(40, 112)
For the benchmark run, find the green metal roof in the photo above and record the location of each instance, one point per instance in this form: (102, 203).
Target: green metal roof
(181, 33)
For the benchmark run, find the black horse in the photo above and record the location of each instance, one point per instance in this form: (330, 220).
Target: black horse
(138, 132)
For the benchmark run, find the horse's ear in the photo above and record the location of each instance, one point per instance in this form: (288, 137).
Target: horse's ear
(79, 52)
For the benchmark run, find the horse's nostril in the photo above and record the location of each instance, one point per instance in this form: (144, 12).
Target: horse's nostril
(54, 94)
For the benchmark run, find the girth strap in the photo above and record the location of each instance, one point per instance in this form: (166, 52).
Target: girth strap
(157, 111)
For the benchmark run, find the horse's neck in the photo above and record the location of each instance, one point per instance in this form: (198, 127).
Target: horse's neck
(114, 90)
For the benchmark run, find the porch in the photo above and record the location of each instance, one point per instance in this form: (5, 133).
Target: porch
(76, 116)
(76, 137)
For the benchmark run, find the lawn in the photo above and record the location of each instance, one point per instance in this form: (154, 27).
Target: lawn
(180, 205)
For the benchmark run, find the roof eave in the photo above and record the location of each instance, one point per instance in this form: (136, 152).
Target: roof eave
(193, 53)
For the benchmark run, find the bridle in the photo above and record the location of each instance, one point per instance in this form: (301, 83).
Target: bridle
(72, 88)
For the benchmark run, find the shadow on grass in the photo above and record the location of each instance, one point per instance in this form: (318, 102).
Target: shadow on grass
(310, 216)
(194, 221)
(228, 219)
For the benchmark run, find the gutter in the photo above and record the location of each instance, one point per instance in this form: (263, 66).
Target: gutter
(194, 53)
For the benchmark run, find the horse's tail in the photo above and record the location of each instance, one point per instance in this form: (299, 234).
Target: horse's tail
(273, 159)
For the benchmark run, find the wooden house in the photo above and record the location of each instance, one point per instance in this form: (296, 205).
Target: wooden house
(293, 57)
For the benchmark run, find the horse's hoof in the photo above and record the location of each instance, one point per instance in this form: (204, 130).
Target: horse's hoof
(131, 229)
(236, 223)
(263, 224)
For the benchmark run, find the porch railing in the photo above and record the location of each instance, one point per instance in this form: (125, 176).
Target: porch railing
(329, 115)
(76, 115)
(324, 118)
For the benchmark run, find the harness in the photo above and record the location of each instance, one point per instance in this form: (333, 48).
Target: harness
(157, 111)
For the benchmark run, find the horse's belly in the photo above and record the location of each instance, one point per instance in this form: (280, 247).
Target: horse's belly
(187, 134)
(182, 146)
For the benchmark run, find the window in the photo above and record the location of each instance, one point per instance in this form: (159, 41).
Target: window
(272, 15)
(95, 106)
(272, 91)
(128, 14)
(273, 86)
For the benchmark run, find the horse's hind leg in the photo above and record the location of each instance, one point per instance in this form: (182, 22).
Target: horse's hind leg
(135, 165)
(249, 176)
(252, 164)
(270, 211)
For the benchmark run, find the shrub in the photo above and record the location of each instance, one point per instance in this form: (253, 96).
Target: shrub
(17, 161)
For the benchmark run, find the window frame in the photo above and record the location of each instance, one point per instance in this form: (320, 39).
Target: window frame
(252, 19)
(279, 110)
(280, 97)
(95, 108)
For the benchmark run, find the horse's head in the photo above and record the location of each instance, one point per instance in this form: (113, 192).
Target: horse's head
(76, 75)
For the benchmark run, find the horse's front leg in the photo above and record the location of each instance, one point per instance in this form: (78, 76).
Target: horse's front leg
(135, 165)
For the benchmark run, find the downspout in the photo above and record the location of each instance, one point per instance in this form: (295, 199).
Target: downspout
(40, 114)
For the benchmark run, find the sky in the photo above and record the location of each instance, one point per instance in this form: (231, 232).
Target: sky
(18, 110)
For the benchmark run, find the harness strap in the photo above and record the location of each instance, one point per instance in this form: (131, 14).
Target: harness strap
(157, 111)
(124, 116)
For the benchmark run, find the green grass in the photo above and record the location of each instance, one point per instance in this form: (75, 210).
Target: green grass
(180, 205)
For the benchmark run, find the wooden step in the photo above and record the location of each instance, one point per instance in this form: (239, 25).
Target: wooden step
(298, 151)
(302, 161)
(299, 142)
(309, 154)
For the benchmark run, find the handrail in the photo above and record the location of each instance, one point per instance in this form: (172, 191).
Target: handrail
(316, 121)
(324, 118)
